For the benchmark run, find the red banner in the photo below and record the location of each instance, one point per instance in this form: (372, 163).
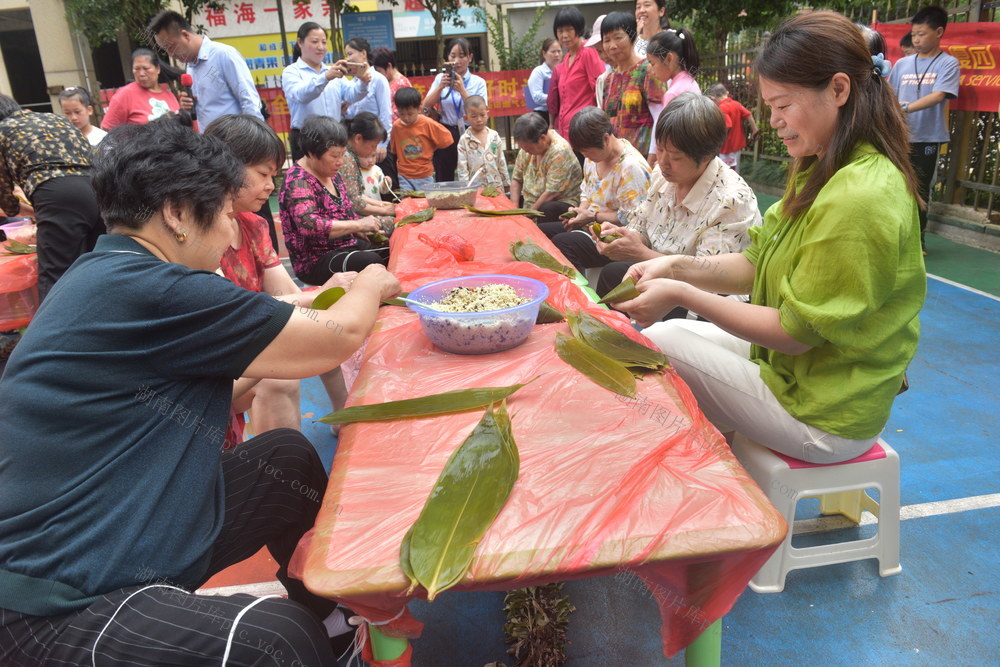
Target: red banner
(505, 91)
(977, 47)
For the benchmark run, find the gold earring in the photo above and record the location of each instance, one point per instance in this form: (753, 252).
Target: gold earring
(181, 236)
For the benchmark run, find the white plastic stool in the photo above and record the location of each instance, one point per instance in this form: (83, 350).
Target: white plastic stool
(840, 488)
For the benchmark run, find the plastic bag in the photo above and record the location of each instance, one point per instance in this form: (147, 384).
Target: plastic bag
(643, 487)
(18, 291)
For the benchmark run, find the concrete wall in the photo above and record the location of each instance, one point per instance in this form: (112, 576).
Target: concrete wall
(65, 56)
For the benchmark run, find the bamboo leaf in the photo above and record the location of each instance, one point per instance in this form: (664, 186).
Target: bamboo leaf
(490, 213)
(419, 216)
(600, 368)
(548, 314)
(624, 291)
(459, 400)
(14, 247)
(615, 344)
(396, 301)
(404, 561)
(491, 191)
(468, 496)
(327, 298)
(529, 251)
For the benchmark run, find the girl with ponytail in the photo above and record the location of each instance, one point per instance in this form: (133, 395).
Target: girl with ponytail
(673, 60)
(809, 367)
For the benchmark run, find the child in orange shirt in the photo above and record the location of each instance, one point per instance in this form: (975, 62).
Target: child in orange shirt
(415, 137)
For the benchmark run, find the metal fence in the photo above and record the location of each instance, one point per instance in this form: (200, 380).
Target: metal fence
(968, 171)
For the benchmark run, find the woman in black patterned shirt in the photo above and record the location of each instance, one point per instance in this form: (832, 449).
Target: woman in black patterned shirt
(49, 159)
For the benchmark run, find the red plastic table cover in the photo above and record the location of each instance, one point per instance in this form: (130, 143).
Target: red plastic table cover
(607, 484)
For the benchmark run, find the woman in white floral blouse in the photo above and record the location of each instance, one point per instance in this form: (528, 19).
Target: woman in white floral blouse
(696, 205)
(615, 181)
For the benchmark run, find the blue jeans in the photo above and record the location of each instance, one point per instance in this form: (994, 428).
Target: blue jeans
(415, 184)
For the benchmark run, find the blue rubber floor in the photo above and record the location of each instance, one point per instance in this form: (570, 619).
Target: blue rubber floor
(943, 609)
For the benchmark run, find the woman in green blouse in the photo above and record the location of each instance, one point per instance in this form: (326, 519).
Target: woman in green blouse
(811, 365)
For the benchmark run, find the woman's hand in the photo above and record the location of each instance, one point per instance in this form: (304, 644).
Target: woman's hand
(380, 152)
(458, 84)
(340, 280)
(376, 277)
(629, 248)
(657, 297)
(337, 70)
(660, 267)
(366, 225)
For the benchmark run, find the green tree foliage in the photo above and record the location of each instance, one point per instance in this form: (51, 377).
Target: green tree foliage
(100, 21)
(514, 53)
(441, 11)
(712, 22)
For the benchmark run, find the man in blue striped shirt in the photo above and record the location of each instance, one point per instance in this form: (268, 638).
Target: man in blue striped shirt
(222, 80)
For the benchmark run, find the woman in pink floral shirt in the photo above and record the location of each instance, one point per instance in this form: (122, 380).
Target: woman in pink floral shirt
(631, 88)
(323, 232)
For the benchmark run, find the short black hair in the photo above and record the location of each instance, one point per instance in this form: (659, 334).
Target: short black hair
(361, 44)
(588, 128)
(694, 125)
(139, 168)
(8, 107)
(407, 98)
(873, 39)
(250, 139)
(530, 127)
(462, 43)
(933, 17)
(321, 133)
(383, 57)
(168, 20)
(906, 41)
(624, 21)
(367, 125)
(78, 93)
(569, 17)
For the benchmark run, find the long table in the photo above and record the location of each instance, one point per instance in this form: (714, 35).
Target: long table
(607, 484)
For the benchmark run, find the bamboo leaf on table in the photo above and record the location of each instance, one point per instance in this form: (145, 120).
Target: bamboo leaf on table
(459, 400)
(468, 496)
(600, 368)
(420, 216)
(608, 340)
(531, 252)
(548, 314)
(490, 213)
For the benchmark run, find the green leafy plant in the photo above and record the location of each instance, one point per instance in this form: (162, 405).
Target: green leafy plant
(537, 619)
(519, 53)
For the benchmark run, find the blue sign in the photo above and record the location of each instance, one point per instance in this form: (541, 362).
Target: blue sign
(376, 27)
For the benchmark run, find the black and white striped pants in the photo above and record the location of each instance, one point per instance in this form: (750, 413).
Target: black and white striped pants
(274, 486)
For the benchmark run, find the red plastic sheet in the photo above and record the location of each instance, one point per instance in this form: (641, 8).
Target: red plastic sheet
(607, 484)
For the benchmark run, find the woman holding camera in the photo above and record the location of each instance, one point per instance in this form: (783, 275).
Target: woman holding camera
(448, 93)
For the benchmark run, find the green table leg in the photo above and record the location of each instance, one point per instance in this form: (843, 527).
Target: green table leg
(706, 650)
(384, 647)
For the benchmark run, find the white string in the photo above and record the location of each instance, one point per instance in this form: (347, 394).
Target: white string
(93, 651)
(232, 631)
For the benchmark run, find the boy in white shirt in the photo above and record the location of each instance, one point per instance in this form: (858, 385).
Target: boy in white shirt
(374, 182)
(480, 147)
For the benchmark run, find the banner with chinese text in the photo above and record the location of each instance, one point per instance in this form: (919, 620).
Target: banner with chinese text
(977, 47)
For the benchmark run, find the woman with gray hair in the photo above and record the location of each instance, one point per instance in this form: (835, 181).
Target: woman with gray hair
(696, 204)
(615, 181)
(546, 173)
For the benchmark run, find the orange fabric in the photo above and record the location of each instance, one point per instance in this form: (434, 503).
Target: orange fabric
(607, 484)
(414, 145)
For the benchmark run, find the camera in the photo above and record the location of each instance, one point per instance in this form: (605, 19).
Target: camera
(449, 69)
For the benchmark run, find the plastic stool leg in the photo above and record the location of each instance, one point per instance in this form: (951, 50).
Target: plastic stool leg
(706, 650)
(848, 503)
(385, 647)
